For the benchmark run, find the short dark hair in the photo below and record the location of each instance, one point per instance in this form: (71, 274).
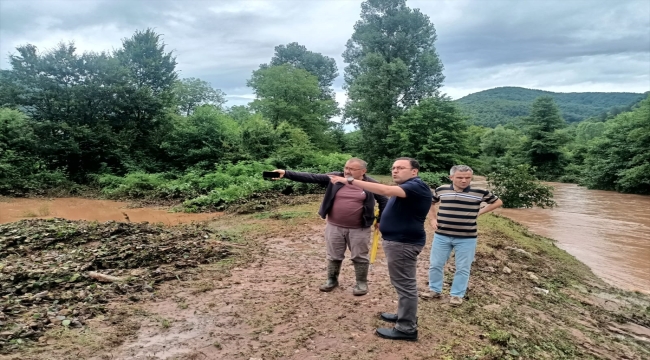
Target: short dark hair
(414, 163)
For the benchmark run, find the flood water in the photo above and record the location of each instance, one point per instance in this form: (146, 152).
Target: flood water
(14, 209)
(608, 231)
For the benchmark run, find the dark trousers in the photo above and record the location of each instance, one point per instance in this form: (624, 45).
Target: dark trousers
(402, 265)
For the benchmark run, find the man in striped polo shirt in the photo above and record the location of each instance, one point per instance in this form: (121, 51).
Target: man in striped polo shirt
(455, 229)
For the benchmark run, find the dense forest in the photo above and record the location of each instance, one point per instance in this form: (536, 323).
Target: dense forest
(124, 123)
(504, 105)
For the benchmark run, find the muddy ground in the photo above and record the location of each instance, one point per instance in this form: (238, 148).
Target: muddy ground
(262, 302)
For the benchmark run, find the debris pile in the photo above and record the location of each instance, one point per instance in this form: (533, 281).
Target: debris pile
(56, 272)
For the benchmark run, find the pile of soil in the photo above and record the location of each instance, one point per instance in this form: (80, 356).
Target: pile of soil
(56, 272)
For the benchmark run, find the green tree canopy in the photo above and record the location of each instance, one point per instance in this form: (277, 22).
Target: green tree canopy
(392, 65)
(192, 92)
(21, 169)
(433, 132)
(500, 141)
(205, 138)
(543, 141)
(317, 64)
(260, 139)
(289, 94)
(620, 159)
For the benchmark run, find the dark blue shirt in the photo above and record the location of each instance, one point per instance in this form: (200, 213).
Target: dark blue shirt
(403, 219)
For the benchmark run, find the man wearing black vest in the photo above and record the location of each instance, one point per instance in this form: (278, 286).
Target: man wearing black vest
(402, 228)
(350, 212)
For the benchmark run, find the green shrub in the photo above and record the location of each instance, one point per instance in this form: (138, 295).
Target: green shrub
(216, 190)
(21, 171)
(517, 187)
(573, 173)
(133, 185)
(435, 179)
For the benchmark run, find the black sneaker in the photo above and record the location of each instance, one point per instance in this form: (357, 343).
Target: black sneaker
(388, 317)
(394, 334)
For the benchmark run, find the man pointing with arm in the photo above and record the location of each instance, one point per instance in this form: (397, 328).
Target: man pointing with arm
(402, 228)
(350, 212)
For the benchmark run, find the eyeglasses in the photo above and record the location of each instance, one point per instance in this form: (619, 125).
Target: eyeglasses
(350, 169)
(400, 168)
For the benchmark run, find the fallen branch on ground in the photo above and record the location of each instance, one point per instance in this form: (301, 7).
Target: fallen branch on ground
(104, 277)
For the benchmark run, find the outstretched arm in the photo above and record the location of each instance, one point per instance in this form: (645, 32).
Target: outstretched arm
(381, 189)
(303, 177)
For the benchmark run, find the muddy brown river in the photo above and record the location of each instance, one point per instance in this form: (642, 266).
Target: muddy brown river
(608, 231)
(14, 209)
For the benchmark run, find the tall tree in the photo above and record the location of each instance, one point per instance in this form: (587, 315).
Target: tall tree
(9, 90)
(261, 139)
(620, 158)
(319, 65)
(288, 94)
(151, 76)
(433, 132)
(392, 65)
(543, 143)
(73, 101)
(191, 93)
(500, 148)
(46, 81)
(500, 141)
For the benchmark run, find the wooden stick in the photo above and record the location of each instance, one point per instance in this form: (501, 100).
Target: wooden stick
(103, 277)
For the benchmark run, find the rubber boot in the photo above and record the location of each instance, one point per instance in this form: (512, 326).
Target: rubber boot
(361, 270)
(333, 270)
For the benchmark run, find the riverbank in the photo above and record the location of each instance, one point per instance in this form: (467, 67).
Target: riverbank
(264, 303)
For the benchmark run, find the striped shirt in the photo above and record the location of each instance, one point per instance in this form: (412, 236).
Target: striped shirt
(459, 209)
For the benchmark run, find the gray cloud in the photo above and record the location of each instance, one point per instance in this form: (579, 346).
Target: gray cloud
(579, 45)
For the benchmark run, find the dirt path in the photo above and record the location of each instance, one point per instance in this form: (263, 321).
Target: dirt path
(271, 308)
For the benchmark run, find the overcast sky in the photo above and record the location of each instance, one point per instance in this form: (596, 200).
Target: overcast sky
(566, 46)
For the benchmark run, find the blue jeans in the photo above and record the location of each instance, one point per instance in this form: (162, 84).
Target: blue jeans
(464, 249)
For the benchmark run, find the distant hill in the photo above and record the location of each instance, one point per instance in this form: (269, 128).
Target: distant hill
(504, 104)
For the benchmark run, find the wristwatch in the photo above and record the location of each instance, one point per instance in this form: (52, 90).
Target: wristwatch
(350, 179)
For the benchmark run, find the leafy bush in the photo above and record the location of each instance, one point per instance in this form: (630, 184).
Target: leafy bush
(518, 188)
(620, 158)
(573, 173)
(435, 179)
(21, 171)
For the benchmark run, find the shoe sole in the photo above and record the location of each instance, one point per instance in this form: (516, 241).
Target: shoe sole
(327, 289)
(430, 297)
(391, 338)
